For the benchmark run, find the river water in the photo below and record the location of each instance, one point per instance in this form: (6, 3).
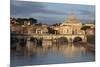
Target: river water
(52, 54)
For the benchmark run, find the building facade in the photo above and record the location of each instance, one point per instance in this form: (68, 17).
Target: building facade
(70, 26)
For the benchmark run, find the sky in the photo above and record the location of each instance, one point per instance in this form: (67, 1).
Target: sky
(51, 13)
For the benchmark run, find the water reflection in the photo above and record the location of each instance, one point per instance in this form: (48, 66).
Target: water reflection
(51, 54)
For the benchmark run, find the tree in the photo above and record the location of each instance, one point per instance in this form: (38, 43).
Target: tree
(39, 24)
(85, 28)
(56, 24)
(51, 31)
(32, 20)
(20, 21)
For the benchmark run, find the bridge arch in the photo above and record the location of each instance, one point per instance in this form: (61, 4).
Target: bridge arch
(32, 39)
(77, 39)
(62, 40)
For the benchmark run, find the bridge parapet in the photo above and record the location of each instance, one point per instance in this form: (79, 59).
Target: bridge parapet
(69, 37)
(53, 36)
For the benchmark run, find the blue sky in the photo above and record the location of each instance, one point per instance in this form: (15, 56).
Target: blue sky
(51, 12)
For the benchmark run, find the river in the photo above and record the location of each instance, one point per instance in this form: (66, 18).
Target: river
(52, 54)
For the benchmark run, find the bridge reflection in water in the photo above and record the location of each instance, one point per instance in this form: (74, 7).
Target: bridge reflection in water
(51, 54)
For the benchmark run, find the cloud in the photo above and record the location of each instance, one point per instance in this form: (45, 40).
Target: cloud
(87, 12)
(22, 8)
(50, 13)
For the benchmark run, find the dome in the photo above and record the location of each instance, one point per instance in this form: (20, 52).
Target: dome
(71, 19)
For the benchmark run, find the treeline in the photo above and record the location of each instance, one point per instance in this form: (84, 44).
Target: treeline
(22, 20)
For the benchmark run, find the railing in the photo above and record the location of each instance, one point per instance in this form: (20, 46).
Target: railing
(46, 35)
(56, 34)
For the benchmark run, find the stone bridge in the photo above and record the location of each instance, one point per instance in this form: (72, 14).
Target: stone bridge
(46, 38)
(70, 38)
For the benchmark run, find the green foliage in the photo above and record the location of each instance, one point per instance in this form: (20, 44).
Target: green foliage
(51, 31)
(20, 21)
(85, 27)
